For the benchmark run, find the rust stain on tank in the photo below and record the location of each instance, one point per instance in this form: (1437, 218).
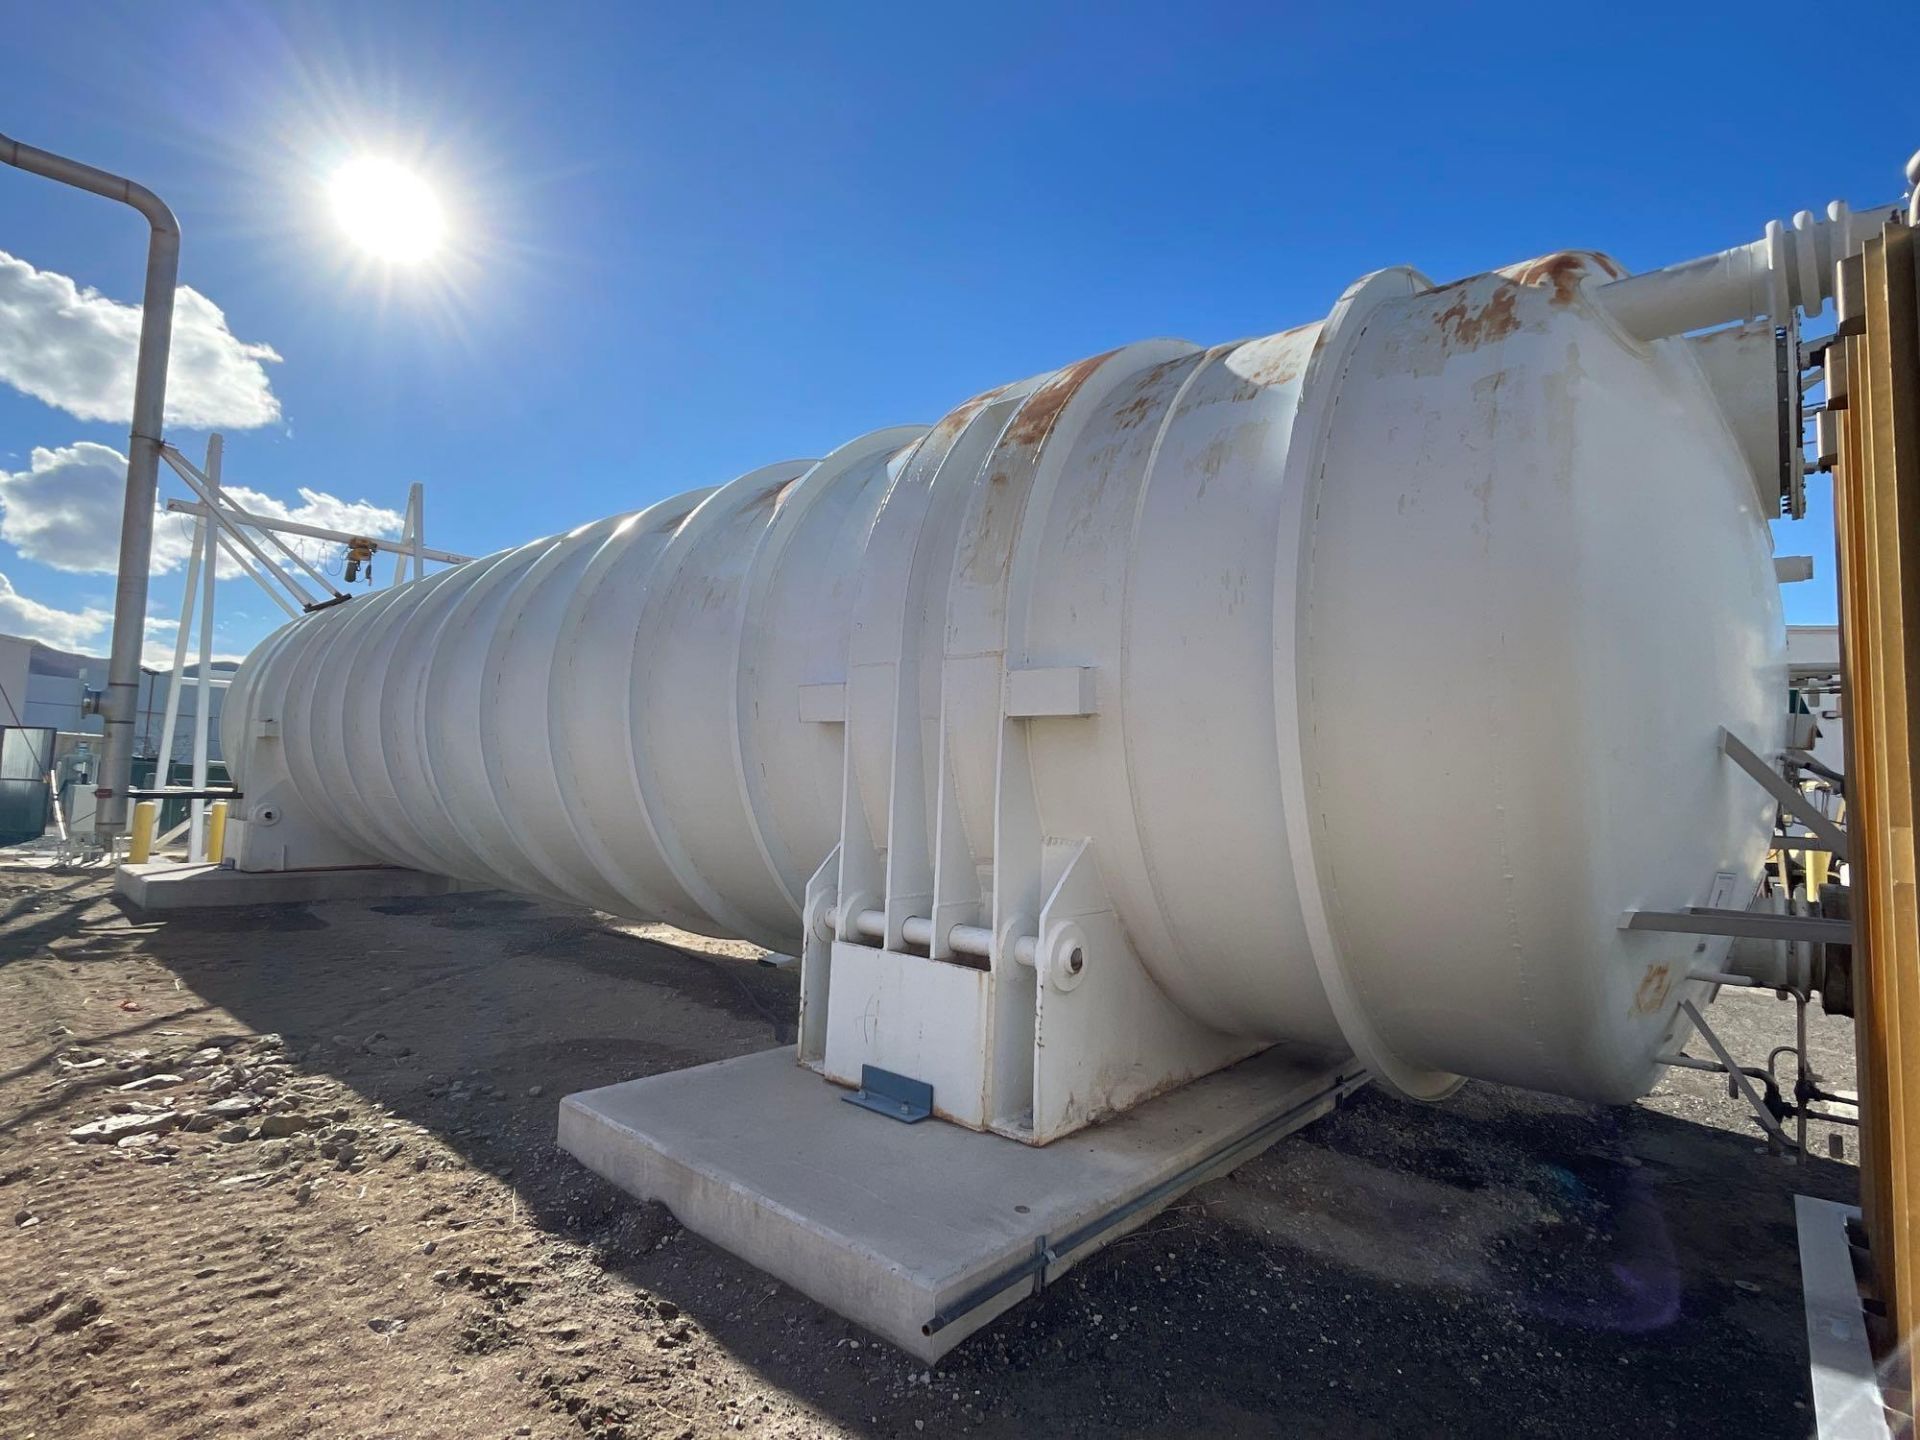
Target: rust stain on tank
(1148, 398)
(1135, 410)
(1282, 358)
(1652, 993)
(1465, 326)
(1563, 272)
(956, 419)
(1036, 418)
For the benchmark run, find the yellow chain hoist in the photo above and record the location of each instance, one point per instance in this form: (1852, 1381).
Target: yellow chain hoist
(360, 552)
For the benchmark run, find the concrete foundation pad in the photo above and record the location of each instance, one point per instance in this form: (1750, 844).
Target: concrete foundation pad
(165, 885)
(921, 1233)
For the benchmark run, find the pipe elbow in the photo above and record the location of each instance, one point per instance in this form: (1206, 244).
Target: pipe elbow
(166, 228)
(157, 212)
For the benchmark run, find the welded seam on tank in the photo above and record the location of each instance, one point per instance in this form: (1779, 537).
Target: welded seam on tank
(1304, 477)
(519, 607)
(302, 746)
(362, 733)
(572, 812)
(432, 753)
(649, 532)
(1495, 630)
(924, 512)
(293, 731)
(949, 487)
(1151, 390)
(1016, 454)
(398, 704)
(1166, 941)
(259, 670)
(361, 626)
(712, 514)
(264, 699)
(529, 600)
(803, 496)
(458, 697)
(768, 552)
(927, 574)
(892, 545)
(421, 729)
(489, 607)
(397, 827)
(1322, 862)
(289, 666)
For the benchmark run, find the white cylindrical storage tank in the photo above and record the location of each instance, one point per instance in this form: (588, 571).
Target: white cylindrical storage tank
(1403, 644)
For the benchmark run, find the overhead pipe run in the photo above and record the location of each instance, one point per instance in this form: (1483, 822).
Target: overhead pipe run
(143, 464)
(1787, 268)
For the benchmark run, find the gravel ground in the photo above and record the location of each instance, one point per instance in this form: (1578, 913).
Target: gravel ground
(291, 1172)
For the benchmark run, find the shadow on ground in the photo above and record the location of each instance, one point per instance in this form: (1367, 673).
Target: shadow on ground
(1501, 1264)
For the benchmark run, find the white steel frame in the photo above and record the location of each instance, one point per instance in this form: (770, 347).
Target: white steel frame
(221, 527)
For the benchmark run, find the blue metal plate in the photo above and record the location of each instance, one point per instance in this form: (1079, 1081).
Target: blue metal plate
(898, 1097)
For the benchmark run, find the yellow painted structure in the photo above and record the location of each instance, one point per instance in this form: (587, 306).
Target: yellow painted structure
(140, 842)
(1877, 523)
(216, 832)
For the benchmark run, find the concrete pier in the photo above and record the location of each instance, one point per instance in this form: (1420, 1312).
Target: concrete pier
(909, 1230)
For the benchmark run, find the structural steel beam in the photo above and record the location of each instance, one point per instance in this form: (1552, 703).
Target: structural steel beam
(1877, 532)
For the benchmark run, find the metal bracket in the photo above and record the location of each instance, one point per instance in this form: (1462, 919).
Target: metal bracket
(898, 1097)
(1738, 1077)
(1791, 800)
(1787, 403)
(1742, 924)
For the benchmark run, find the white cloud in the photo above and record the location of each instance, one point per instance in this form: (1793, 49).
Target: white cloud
(64, 511)
(74, 348)
(158, 654)
(62, 629)
(329, 512)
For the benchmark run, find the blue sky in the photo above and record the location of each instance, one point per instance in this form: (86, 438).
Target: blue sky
(698, 239)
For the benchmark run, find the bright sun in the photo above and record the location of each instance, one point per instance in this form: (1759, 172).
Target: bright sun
(387, 210)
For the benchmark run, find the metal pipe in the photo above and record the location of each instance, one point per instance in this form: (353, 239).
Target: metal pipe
(1768, 277)
(970, 940)
(143, 464)
(203, 703)
(1687, 1062)
(974, 940)
(1735, 1074)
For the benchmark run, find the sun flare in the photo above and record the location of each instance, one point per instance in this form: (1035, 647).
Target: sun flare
(387, 210)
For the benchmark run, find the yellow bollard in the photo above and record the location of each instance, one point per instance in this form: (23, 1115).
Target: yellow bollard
(216, 832)
(140, 843)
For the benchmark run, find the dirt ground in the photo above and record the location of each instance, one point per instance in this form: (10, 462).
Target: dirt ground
(364, 1229)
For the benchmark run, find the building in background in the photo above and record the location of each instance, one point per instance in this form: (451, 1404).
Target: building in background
(1813, 667)
(41, 686)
